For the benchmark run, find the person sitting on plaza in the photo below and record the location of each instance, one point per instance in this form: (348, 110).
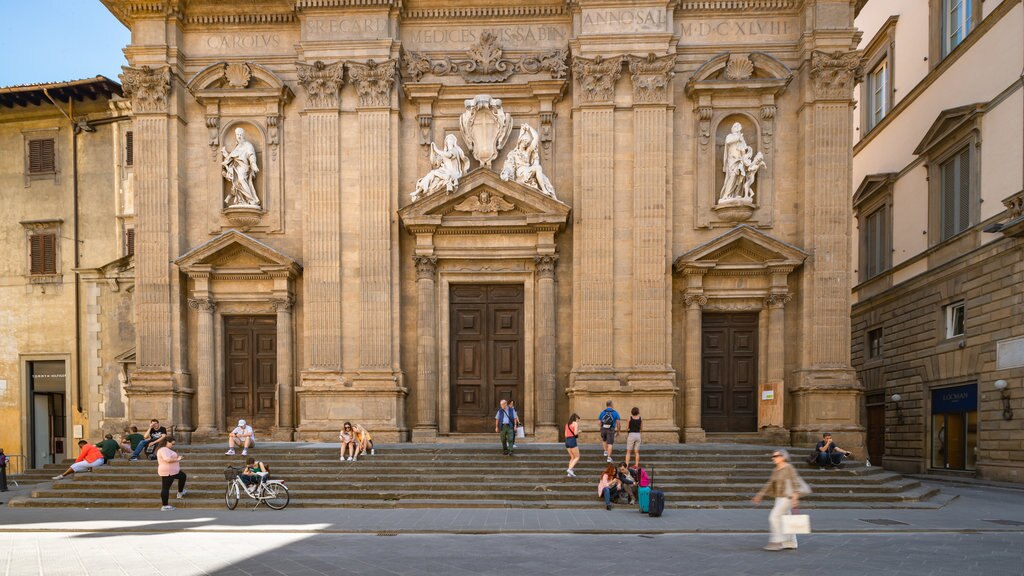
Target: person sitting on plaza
(130, 440)
(254, 474)
(153, 434)
(609, 486)
(108, 447)
(363, 440)
(349, 445)
(242, 436)
(89, 457)
(828, 453)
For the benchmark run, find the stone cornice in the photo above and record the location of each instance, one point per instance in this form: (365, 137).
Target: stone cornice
(524, 10)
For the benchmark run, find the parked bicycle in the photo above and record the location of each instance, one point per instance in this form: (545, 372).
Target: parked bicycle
(272, 492)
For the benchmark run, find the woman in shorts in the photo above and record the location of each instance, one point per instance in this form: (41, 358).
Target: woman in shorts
(348, 442)
(633, 438)
(572, 432)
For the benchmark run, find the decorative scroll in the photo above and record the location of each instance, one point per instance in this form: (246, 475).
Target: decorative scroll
(373, 81)
(485, 62)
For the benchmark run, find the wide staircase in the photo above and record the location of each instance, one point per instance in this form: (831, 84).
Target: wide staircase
(473, 476)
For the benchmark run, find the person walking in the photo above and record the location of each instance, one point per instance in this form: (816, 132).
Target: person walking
(572, 433)
(633, 436)
(609, 422)
(3, 471)
(785, 486)
(519, 423)
(505, 424)
(169, 468)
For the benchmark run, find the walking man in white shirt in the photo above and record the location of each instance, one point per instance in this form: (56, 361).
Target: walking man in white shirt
(242, 436)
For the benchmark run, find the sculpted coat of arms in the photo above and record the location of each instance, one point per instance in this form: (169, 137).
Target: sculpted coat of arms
(485, 127)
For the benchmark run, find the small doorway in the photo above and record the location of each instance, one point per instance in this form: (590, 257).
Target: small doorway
(47, 413)
(876, 428)
(486, 352)
(955, 427)
(729, 372)
(251, 365)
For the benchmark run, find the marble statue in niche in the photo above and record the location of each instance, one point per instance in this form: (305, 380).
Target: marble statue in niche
(449, 164)
(239, 167)
(522, 164)
(485, 127)
(741, 166)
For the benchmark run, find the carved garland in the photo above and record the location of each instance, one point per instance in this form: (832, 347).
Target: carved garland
(146, 87)
(322, 82)
(486, 62)
(596, 77)
(833, 73)
(373, 81)
(651, 77)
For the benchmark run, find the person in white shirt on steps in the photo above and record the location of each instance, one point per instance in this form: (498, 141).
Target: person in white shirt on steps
(242, 436)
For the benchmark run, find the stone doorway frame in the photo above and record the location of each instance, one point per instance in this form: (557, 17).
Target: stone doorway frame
(742, 270)
(235, 274)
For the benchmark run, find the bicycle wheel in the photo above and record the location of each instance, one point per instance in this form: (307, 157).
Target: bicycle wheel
(231, 495)
(276, 495)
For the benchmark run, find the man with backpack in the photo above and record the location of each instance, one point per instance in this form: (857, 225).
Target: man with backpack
(609, 422)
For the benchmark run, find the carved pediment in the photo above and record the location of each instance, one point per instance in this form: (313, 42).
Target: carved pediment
(741, 248)
(485, 202)
(948, 123)
(237, 80)
(234, 252)
(736, 70)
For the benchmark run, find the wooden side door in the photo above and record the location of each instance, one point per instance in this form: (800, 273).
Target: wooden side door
(251, 371)
(729, 373)
(486, 331)
(876, 430)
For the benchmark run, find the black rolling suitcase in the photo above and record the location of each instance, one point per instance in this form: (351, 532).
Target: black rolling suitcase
(657, 505)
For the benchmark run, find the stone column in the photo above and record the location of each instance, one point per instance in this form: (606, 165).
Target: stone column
(827, 383)
(546, 427)
(321, 240)
(692, 430)
(285, 429)
(426, 362)
(771, 412)
(206, 424)
(378, 195)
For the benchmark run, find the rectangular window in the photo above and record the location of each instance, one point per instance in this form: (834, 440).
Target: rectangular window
(878, 93)
(875, 243)
(129, 148)
(875, 344)
(43, 248)
(955, 209)
(41, 157)
(955, 320)
(957, 21)
(129, 242)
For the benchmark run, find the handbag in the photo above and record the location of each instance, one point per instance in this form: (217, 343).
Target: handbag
(520, 432)
(796, 523)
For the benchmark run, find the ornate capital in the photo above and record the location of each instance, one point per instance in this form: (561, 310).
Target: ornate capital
(283, 304)
(146, 87)
(426, 267)
(596, 77)
(322, 82)
(651, 77)
(202, 304)
(373, 81)
(777, 300)
(545, 265)
(695, 300)
(833, 74)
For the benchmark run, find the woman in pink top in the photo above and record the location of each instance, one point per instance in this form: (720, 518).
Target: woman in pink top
(169, 468)
(609, 486)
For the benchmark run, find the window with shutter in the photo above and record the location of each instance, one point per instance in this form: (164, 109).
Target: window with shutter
(955, 205)
(43, 249)
(129, 242)
(40, 156)
(129, 148)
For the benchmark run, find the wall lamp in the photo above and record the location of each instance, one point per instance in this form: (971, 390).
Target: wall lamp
(1004, 394)
(896, 398)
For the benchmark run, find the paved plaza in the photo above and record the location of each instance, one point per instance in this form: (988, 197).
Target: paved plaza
(979, 530)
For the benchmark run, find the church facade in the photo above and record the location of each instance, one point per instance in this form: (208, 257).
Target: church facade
(400, 212)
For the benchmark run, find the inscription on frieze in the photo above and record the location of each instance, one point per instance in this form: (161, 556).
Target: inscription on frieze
(347, 28)
(739, 29)
(237, 42)
(624, 20)
(509, 37)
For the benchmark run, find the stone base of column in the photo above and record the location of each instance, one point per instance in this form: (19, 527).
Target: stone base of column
(775, 435)
(545, 434)
(654, 393)
(282, 434)
(828, 400)
(165, 396)
(207, 434)
(424, 434)
(694, 436)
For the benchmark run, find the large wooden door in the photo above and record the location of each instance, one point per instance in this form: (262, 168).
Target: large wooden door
(876, 429)
(729, 373)
(251, 380)
(486, 326)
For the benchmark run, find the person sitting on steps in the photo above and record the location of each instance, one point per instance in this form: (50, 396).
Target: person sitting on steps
(829, 455)
(627, 482)
(363, 440)
(130, 440)
(349, 444)
(154, 433)
(108, 447)
(254, 474)
(608, 487)
(89, 457)
(242, 436)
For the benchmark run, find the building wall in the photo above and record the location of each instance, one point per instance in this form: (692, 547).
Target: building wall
(925, 274)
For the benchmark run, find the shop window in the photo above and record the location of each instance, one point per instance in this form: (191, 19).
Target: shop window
(955, 428)
(955, 320)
